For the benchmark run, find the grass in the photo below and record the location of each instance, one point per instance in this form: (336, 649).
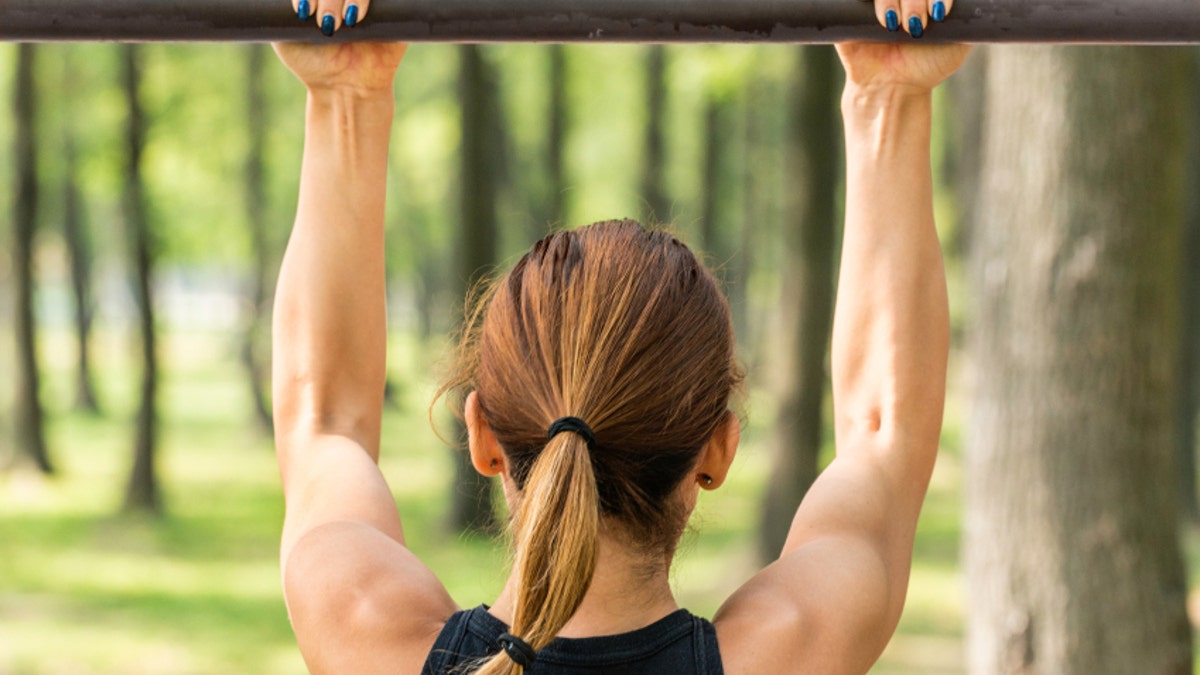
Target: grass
(86, 590)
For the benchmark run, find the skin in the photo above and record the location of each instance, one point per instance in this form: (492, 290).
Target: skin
(361, 601)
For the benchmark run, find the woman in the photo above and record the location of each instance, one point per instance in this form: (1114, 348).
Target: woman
(596, 382)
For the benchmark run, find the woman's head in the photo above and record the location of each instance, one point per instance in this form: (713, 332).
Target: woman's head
(626, 330)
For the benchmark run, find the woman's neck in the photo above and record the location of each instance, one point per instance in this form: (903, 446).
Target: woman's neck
(628, 592)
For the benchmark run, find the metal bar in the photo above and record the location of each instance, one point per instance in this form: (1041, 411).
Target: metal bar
(785, 21)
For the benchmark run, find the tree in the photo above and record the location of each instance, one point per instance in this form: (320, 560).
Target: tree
(79, 249)
(1072, 554)
(142, 492)
(471, 504)
(1188, 409)
(30, 434)
(257, 375)
(658, 208)
(806, 293)
(556, 134)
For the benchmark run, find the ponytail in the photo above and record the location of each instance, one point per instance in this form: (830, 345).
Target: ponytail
(556, 529)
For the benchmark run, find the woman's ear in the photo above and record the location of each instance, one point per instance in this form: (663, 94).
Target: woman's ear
(719, 452)
(486, 454)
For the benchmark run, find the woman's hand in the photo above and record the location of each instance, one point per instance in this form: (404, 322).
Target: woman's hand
(360, 66)
(892, 65)
(355, 66)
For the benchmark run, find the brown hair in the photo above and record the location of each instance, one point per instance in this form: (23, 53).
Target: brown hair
(626, 329)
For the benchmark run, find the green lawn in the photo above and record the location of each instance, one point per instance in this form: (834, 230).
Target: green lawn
(84, 590)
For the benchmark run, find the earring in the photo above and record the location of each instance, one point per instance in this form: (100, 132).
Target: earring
(706, 479)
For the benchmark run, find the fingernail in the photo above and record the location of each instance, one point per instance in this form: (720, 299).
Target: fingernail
(939, 11)
(327, 25)
(302, 10)
(915, 28)
(893, 20)
(352, 16)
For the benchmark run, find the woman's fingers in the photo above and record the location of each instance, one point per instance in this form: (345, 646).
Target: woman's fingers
(888, 13)
(938, 9)
(330, 15)
(914, 16)
(911, 16)
(353, 12)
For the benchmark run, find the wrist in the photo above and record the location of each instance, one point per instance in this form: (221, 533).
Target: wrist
(880, 108)
(350, 96)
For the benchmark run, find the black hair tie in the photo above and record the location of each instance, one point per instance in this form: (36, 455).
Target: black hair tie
(517, 649)
(574, 425)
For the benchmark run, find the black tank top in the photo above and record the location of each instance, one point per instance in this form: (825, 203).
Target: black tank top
(678, 644)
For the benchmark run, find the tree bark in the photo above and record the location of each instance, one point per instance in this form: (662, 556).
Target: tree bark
(806, 294)
(142, 493)
(257, 372)
(29, 422)
(1072, 553)
(658, 208)
(1188, 408)
(471, 502)
(79, 248)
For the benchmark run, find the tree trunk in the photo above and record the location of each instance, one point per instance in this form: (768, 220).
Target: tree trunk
(1072, 552)
(658, 208)
(806, 302)
(257, 375)
(1189, 352)
(79, 248)
(142, 493)
(967, 93)
(30, 432)
(555, 140)
(471, 503)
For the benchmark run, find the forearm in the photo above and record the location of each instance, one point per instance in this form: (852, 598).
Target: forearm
(891, 327)
(330, 315)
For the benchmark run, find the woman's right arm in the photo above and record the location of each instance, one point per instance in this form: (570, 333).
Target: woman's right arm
(835, 595)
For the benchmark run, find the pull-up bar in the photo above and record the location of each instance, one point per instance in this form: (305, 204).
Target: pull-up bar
(1057, 21)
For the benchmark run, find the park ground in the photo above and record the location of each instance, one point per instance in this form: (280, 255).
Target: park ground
(86, 590)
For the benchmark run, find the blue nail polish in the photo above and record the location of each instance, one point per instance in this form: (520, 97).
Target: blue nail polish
(915, 28)
(351, 16)
(893, 20)
(939, 11)
(327, 25)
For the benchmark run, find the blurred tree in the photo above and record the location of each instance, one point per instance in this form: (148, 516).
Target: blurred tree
(78, 239)
(471, 502)
(654, 193)
(806, 291)
(717, 226)
(964, 147)
(142, 492)
(29, 423)
(1072, 550)
(254, 191)
(555, 137)
(1188, 410)
(79, 249)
